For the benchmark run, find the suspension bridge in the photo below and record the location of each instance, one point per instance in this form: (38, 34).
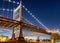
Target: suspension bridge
(17, 21)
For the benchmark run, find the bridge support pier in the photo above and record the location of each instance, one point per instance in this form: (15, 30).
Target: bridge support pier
(13, 35)
(21, 38)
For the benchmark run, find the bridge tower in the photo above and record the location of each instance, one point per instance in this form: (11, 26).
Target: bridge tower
(18, 16)
(21, 38)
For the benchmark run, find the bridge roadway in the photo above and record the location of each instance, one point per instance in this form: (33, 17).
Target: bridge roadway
(10, 23)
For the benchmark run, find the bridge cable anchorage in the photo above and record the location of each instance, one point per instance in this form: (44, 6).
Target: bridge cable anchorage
(28, 21)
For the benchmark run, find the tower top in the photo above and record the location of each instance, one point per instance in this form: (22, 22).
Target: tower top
(20, 0)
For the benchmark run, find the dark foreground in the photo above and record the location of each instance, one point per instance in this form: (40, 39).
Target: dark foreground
(17, 42)
(30, 42)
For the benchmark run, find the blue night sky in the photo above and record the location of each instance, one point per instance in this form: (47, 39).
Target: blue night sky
(47, 11)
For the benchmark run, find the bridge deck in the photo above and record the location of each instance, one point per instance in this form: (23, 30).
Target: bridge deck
(10, 23)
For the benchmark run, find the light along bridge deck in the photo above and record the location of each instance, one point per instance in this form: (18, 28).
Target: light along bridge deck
(10, 23)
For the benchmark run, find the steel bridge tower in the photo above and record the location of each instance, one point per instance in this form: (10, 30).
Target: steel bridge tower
(17, 15)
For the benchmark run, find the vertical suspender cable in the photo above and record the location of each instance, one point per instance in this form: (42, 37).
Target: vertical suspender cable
(3, 9)
(8, 10)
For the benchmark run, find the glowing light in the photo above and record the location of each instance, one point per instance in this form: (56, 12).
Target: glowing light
(14, 2)
(26, 9)
(7, 9)
(3, 9)
(17, 2)
(23, 6)
(9, 0)
(11, 10)
(3, 38)
(48, 31)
